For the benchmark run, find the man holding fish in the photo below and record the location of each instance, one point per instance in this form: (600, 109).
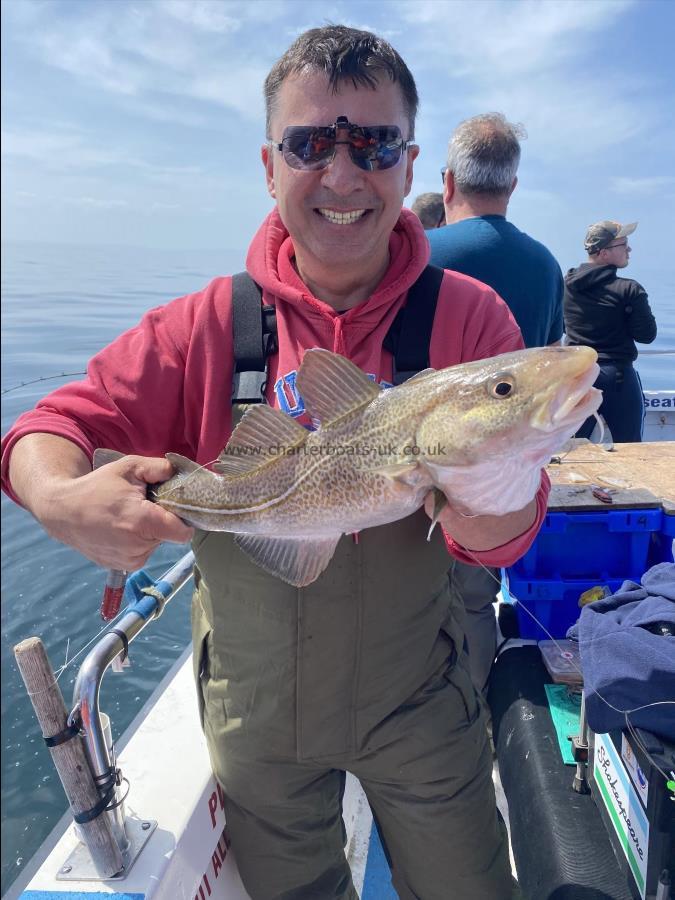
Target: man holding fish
(317, 653)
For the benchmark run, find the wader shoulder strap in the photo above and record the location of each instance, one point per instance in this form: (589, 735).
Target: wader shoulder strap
(409, 336)
(254, 330)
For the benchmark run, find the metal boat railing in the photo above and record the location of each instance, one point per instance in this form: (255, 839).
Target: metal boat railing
(150, 599)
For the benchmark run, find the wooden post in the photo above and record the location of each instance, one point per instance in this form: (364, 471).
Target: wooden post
(69, 757)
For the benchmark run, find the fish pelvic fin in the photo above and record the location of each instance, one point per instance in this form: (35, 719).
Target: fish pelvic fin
(102, 457)
(440, 502)
(332, 386)
(297, 561)
(262, 435)
(182, 464)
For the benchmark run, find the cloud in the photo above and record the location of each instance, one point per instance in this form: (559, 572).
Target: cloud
(70, 150)
(200, 14)
(158, 103)
(97, 202)
(501, 38)
(529, 60)
(87, 57)
(648, 185)
(56, 150)
(149, 54)
(537, 195)
(164, 207)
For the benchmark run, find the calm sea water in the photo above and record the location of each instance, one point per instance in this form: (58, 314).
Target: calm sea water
(60, 305)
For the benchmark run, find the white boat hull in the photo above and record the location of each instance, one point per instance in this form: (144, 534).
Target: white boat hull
(659, 424)
(188, 855)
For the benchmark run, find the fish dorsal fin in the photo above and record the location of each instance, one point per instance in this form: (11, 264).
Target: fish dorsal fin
(182, 464)
(297, 561)
(102, 457)
(262, 434)
(332, 386)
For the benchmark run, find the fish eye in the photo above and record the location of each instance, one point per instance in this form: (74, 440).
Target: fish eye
(501, 385)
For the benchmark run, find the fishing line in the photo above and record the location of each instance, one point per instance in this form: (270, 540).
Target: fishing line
(624, 712)
(43, 378)
(68, 662)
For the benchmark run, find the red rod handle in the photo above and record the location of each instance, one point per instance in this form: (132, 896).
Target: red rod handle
(112, 594)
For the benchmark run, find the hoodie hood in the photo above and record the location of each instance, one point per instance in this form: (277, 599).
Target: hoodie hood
(310, 322)
(270, 262)
(587, 277)
(304, 321)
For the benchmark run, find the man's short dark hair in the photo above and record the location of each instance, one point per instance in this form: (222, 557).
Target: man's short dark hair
(429, 209)
(483, 154)
(344, 54)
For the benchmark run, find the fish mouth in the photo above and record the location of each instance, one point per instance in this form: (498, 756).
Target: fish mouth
(573, 402)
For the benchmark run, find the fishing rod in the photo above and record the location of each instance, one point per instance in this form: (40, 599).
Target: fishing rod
(42, 378)
(15, 387)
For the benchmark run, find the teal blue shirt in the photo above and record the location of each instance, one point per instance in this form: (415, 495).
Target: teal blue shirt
(521, 270)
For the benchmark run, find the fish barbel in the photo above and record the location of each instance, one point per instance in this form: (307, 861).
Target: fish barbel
(289, 494)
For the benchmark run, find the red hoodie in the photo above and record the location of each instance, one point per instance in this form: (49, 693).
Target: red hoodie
(166, 384)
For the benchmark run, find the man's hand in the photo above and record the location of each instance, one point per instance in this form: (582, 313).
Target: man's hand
(482, 532)
(104, 514)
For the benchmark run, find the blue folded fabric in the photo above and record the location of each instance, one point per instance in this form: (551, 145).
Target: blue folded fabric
(625, 662)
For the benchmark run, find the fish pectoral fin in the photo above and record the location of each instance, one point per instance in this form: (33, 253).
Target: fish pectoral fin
(403, 471)
(422, 374)
(182, 464)
(263, 434)
(102, 457)
(332, 386)
(298, 561)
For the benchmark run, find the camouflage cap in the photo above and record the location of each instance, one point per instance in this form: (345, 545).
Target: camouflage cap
(601, 234)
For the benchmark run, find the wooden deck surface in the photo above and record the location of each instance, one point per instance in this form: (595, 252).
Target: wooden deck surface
(634, 475)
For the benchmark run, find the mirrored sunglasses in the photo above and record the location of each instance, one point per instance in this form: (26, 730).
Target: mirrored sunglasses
(371, 147)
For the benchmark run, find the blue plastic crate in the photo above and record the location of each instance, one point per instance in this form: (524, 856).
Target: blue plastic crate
(661, 548)
(596, 545)
(668, 524)
(554, 603)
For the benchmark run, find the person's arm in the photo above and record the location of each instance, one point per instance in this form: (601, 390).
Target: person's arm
(481, 533)
(146, 393)
(493, 540)
(641, 321)
(104, 514)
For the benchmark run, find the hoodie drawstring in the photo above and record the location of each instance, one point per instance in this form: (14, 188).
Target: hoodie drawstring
(339, 345)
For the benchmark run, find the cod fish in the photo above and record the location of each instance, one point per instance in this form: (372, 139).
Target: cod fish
(479, 432)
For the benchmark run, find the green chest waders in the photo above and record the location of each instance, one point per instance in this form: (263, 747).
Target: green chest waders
(308, 673)
(361, 671)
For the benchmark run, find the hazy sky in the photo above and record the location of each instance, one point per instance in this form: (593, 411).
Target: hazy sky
(140, 121)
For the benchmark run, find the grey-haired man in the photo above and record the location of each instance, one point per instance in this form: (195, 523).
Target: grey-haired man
(478, 181)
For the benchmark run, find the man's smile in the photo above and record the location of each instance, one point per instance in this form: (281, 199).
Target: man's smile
(342, 217)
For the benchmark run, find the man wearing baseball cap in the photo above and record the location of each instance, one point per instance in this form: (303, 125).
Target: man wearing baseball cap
(610, 314)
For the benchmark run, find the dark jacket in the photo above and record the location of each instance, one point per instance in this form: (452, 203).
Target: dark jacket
(606, 312)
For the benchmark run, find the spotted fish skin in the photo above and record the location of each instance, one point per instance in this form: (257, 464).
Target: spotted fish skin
(289, 493)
